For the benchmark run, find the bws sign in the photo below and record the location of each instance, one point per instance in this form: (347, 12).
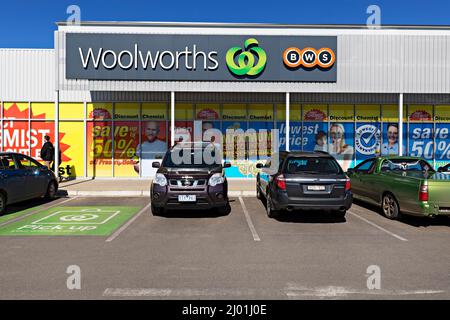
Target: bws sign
(198, 57)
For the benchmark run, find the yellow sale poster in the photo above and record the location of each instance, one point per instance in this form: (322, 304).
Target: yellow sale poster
(442, 113)
(234, 111)
(295, 113)
(154, 111)
(260, 112)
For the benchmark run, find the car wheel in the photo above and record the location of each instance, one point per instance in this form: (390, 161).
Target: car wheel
(390, 207)
(259, 195)
(271, 212)
(225, 210)
(2, 203)
(157, 211)
(51, 191)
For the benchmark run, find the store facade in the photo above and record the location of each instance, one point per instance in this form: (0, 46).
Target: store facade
(117, 95)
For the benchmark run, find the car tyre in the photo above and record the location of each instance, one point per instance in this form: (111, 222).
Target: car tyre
(51, 191)
(157, 211)
(259, 195)
(271, 212)
(340, 214)
(225, 210)
(2, 203)
(390, 207)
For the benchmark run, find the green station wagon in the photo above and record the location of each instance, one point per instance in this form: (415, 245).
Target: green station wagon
(406, 185)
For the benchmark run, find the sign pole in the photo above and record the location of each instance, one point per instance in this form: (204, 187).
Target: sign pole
(172, 118)
(287, 120)
(400, 125)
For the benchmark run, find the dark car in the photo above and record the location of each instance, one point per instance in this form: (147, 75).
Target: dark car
(23, 178)
(192, 184)
(445, 169)
(303, 181)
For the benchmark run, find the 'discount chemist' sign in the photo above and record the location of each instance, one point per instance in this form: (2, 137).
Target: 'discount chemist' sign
(201, 57)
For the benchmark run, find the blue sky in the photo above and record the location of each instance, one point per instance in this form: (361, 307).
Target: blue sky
(30, 24)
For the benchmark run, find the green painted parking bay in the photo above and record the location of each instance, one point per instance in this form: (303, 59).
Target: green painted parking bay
(71, 221)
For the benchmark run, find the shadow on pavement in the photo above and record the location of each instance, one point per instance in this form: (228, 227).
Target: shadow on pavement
(407, 219)
(313, 216)
(194, 214)
(24, 205)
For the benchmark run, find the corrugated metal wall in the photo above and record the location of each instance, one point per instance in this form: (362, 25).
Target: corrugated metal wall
(27, 74)
(369, 62)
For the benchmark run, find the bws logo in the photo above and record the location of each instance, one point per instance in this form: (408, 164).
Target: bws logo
(308, 58)
(250, 63)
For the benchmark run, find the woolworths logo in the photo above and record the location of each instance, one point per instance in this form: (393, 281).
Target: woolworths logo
(246, 59)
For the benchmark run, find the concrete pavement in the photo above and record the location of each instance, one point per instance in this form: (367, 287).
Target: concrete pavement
(109, 187)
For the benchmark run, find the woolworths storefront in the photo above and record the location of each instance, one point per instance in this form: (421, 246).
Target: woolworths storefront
(117, 95)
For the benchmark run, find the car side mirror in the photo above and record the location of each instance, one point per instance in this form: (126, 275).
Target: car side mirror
(440, 169)
(226, 165)
(156, 164)
(259, 165)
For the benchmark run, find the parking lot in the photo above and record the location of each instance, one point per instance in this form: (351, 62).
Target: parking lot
(123, 251)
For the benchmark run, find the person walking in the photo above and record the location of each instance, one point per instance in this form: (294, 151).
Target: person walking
(48, 152)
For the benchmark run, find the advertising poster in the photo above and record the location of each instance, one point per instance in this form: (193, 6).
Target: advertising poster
(442, 118)
(126, 140)
(153, 146)
(314, 131)
(154, 111)
(368, 132)
(295, 136)
(341, 134)
(19, 137)
(421, 131)
(262, 121)
(99, 148)
(209, 114)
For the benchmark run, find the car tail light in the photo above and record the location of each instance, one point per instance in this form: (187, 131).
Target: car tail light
(347, 185)
(280, 182)
(423, 193)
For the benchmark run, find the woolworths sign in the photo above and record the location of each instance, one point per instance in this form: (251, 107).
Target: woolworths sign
(200, 57)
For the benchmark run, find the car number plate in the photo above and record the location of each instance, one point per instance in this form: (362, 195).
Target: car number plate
(316, 188)
(187, 198)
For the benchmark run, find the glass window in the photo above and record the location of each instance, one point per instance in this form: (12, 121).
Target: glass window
(365, 166)
(70, 111)
(26, 163)
(309, 165)
(45, 110)
(7, 162)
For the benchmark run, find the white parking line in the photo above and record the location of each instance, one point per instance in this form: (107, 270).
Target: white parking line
(249, 221)
(126, 225)
(378, 227)
(36, 211)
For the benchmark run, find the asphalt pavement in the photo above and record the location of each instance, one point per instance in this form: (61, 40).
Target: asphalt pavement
(114, 248)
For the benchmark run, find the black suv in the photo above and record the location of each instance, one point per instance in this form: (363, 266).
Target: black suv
(303, 180)
(192, 184)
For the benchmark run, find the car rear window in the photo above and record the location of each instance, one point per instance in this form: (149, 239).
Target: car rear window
(308, 165)
(406, 165)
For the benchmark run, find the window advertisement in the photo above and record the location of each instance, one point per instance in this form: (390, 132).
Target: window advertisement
(128, 110)
(341, 134)
(15, 136)
(421, 142)
(99, 111)
(315, 127)
(152, 148)
(154, 111)
(368, 132)
(442, 118)
(70, 111)
(99, 148)
(234, 117)
(209, 114)
(184, 111)
(390, 131)
(16, 110)
(295, 126)
(262, 122)
(126, 140)
(45, 110)
(71, 142)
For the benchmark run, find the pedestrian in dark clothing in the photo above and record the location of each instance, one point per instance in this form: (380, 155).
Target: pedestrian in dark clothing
(48, 152)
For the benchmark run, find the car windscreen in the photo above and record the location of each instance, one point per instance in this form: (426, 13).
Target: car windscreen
(309, 165)
(406, 165)
(190, 158)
